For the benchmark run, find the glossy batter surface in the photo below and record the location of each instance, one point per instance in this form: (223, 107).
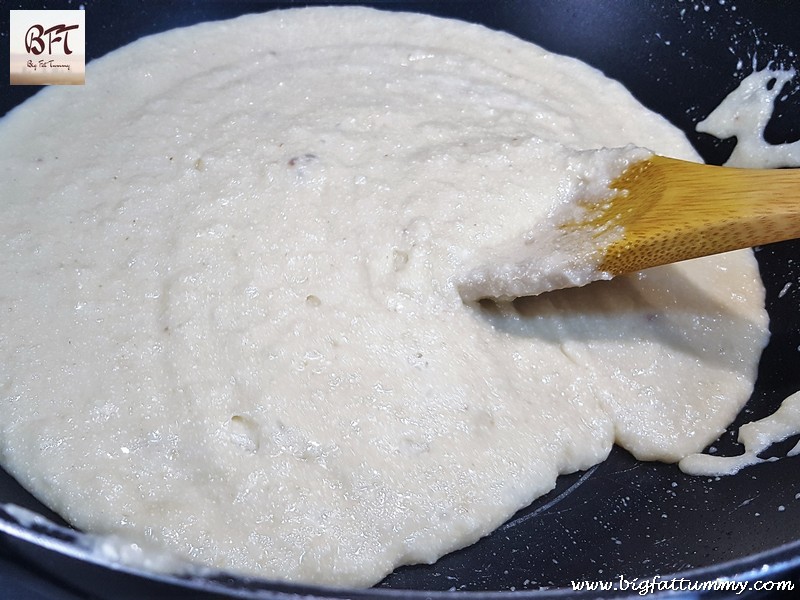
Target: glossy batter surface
(231, 325)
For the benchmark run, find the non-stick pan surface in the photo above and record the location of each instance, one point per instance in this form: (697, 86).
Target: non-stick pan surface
(620, 518)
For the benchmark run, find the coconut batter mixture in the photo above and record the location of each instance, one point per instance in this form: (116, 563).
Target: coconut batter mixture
(550, 257)
(231, 321)
(745, 113)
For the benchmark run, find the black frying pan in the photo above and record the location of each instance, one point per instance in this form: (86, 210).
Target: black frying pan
(622, 517)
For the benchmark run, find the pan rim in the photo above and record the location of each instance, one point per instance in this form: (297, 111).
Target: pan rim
(73, 544)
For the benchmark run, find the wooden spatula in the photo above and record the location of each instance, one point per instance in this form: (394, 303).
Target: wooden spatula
(662, 211)
(672, 210)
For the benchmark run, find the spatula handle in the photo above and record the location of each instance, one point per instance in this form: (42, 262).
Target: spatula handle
(673, 210)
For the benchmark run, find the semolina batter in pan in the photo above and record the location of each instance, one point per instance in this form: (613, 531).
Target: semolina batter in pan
(231, 323)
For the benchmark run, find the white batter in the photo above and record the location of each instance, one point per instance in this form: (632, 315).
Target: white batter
(549, 257)
(745, 113)
(757, 437)
(231, 323)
